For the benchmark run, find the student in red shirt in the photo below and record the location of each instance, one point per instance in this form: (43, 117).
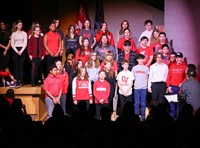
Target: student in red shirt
(82, 88)
(53, 90)
(63, 76)
(101, 90)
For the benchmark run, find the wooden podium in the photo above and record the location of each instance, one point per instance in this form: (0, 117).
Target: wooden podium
(33, 98)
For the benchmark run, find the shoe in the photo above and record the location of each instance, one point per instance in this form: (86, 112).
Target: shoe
(13, 85)
(18, 85)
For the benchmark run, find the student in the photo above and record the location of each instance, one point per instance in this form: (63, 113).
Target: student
(19, 43)
(101, 92)
(148, 31)
(63, 76)
(81, 88)
(36, 53)
(175, 78)
(125, 82)
(141, 73)
(124, 24)
(53, 90)
(52, 44)
(157, 80)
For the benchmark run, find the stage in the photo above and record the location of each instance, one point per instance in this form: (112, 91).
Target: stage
(33, 98)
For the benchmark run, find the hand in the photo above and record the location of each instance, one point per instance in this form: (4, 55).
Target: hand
(149, 90)
(75, 102)
(91, 101)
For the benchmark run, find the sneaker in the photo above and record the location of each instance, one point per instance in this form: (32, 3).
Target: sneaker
(13, 85)
(18, 85)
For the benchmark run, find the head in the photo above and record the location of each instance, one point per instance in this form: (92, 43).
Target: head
(173, 57)
(144, 40)
(70, 58)
(148, 25)
(102, 74)
(165, 49)
(87, 24)
(191, 73)
(10, 93)
(52, 69)
(158, 57)
(124, 24)
(140, 59)
(162, 36)
(52, 26)
(179, 57)
(125, 64)
(127, 45)
(127, 33)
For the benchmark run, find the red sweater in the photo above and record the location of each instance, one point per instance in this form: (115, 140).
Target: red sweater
(64, 81)
(81, 89)
(101, 90)
(176, 74)
(4, 74)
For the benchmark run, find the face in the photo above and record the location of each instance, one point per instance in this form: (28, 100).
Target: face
(59, 65)
(3, 26)
(179, 60)
(94, 56)
(127, 48)
(86, 43)
(37, 31)
(140, 61)
(87, 24)
(124, 24)
(102, 75)
(104, 39)
(19, 26)
(109, 57)
(162, 37)
(108, 66)
(72, 29)
(144, 42)
(148, 26)
(125, 66)
(127, 33)
(57, 23)
(104, 26)
(172, 57)
(53, 71)
(159, 58)
(80, 64)
(156, 34)
(165, 50)
(52, 27)
(83, 72)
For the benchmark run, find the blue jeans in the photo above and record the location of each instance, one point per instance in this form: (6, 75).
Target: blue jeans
(63, 102)
(49, 106)
(140, 99)
(174, 105)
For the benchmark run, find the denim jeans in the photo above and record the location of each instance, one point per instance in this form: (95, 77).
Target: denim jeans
(49, 106)
(140, 100)
(174, 105)
(63, 102)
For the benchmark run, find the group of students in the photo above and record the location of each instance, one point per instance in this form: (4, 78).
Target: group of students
(92, 60)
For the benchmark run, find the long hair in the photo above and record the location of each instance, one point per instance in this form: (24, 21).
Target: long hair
(90, 61)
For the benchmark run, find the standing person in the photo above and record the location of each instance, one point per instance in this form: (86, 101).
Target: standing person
(71, 41)
(127, 36)
(104, 46)
(154, 40)
(191, 89)
(63, 76)
(148, 24)
(172, 59)
(93, 67)
(36, 53)
(125, 82)
(88, 32)
(146, 51)
(81, 88)
(141, 73)
(19, 43)
(124, 24)
(61, 33)
(128, 55)
(157, 80)
(84, 51)
(104, 31)
(101, 92)
(53, 90)
(175, 78)
(5, 56)
(52, 44)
